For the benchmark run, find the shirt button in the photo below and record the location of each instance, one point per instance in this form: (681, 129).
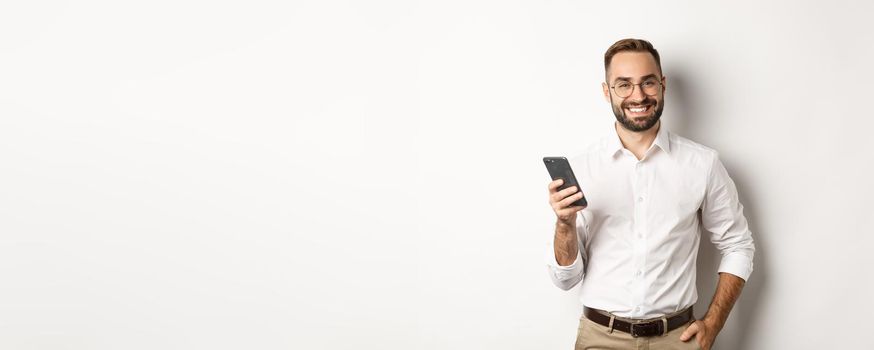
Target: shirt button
(639, 272)
(637, 309)
(640, 199)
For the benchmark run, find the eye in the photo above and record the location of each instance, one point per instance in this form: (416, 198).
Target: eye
(623, 85)
(650, 83)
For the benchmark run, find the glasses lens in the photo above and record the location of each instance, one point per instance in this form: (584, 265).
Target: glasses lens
(651, 87)
(623, 89)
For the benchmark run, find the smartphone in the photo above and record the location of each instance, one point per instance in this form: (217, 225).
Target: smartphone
(560, 168)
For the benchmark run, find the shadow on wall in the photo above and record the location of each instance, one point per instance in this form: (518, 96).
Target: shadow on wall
(745, 320)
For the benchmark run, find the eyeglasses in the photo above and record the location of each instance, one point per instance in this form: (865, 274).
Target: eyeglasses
(651, 87)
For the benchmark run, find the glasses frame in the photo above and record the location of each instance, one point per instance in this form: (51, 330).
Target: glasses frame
(640, 86)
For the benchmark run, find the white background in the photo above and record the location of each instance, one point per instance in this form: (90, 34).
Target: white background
(332, 175)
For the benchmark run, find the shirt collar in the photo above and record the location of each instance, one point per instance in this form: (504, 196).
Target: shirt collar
(613, 144)
(663, 139)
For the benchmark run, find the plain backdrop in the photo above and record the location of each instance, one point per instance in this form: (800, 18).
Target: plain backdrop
(367, 174)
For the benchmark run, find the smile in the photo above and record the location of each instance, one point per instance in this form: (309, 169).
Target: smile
(639, 109)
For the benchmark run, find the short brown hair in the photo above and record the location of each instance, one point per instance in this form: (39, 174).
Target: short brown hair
(633, 45)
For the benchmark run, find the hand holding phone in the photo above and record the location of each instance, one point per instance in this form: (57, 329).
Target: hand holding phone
(565, 195)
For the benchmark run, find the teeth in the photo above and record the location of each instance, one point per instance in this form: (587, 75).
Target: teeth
(637, 110)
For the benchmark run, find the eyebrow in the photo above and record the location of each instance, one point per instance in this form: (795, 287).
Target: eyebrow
(645, 77)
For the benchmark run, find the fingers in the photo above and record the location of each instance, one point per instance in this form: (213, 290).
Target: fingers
(569, 212)
(561, 200)
(554, 184)
(557, 196)
(690, 331)
(570, 199)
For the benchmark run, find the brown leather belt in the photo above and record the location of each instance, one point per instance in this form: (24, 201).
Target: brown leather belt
(640, 329)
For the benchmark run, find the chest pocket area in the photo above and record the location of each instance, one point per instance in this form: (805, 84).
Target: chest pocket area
(677, 199)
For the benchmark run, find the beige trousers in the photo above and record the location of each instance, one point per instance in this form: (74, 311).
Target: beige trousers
(593, 336)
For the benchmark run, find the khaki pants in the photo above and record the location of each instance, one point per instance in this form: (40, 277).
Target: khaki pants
(593, 336)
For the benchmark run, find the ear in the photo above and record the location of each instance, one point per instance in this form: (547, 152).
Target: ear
(606, 91)
(664, 84)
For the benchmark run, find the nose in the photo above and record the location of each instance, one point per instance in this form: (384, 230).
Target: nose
(637, 94)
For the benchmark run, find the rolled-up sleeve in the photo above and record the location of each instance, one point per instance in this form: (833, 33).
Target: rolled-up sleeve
(566, 277)
(722, 216)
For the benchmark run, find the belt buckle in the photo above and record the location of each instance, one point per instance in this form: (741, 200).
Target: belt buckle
(645, 329)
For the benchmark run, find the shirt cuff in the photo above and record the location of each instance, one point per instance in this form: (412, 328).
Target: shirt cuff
(737, 264)
(561, 274)
(573, 266)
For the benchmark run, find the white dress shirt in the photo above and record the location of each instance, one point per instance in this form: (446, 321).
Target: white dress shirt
(639, 235)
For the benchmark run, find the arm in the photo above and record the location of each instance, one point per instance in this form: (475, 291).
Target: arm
(706, 329)
(565, 244)
(722, 216)
(564, 259)
(727, 292)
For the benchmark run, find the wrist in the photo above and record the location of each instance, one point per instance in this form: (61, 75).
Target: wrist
(713, 322)
(562, 224)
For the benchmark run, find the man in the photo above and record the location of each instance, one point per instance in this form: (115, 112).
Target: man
(634, 247)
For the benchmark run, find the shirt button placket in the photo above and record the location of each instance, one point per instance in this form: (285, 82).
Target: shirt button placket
(639, 243)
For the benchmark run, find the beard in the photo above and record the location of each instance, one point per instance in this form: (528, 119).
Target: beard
(648, 121)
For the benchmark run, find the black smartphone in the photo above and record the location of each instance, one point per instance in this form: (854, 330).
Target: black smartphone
(560, 168)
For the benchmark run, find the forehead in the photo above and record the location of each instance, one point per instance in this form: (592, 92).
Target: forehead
(633, 65)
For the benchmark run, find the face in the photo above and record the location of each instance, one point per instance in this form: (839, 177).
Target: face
(639, 111)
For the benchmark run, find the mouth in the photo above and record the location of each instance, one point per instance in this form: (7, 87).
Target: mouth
(636, 111)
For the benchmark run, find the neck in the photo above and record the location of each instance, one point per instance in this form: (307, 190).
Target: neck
(637, 141)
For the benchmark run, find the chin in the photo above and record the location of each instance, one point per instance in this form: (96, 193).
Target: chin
(638, 124)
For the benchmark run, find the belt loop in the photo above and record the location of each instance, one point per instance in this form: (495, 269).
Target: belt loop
(665, 324)
(610, 325)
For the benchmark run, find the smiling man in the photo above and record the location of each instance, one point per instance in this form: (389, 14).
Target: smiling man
(634, 248)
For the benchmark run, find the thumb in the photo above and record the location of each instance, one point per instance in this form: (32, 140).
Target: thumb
(690, 331)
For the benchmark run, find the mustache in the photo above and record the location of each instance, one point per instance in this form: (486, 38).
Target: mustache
(644, 103)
